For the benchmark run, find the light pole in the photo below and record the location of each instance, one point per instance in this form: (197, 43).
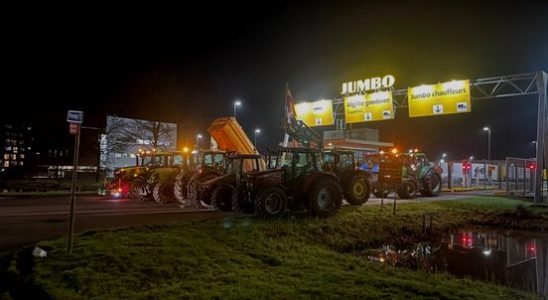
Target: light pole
(198, 137)
(257, 131)
(488, 141)
(236, 104)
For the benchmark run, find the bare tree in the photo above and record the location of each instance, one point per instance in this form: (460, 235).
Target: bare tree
(123, 135)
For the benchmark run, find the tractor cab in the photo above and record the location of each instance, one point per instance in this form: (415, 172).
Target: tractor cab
(337, 160)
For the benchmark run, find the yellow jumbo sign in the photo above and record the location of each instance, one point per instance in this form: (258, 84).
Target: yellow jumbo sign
(369, 107)
(439, 99)
(317, 113)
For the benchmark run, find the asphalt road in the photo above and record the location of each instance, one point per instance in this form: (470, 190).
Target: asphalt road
(27, 220)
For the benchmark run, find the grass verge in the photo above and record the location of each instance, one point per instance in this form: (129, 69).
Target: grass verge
(248, 258)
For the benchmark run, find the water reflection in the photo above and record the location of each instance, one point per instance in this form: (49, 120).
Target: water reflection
(517, 260)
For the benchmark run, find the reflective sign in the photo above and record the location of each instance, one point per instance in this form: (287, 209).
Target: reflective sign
(369, 107)
(439, 99)
(317, 113)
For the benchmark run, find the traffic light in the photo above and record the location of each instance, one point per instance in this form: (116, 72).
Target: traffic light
(531, 165)
(466, 166)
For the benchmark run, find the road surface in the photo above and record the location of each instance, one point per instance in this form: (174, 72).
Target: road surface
(27, 220)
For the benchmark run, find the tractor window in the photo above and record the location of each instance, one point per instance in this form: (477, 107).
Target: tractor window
(287, 160)
(346, 160)
(234, 166)
(329, 158)
(177, 160)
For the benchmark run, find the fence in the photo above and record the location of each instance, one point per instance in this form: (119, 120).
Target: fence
(515, 176)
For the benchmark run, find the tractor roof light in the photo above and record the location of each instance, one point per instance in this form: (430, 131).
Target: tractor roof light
(394, 151)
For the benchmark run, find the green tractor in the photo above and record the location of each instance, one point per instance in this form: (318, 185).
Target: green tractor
(203, 165)
(304, 182)
(128, 181)
(418, 175)
(354, 182)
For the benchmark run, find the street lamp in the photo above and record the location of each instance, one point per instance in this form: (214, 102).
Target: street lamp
(488, 142)
(236, 104)
(471, 157)
(257, 131)
(198, 137)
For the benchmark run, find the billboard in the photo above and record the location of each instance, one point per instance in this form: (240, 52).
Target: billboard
(439, 99)
(317, 113)
(369, 107)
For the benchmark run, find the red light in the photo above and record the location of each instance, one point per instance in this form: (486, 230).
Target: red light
(532, 166)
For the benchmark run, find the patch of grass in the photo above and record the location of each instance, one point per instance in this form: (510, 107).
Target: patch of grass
(248, 258)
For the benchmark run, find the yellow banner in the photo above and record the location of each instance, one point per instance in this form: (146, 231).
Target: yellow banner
(369, 107)
(439, 99)
(317, 113)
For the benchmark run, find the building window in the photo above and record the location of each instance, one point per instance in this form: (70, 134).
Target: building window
(13, 163)
(6, 164)
(22, 156)
(8, 148)
(117, 155)
(8, 126)
(14, 156)
(20, 163)
(6, 156)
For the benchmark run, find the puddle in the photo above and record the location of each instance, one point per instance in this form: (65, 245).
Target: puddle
(517, 260)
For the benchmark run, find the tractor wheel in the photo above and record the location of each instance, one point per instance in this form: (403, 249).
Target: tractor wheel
(270, 202)
(356, 190)
(240, 205)
(431, 184)
(142, 192)
(326, 197)
(200, 200)
(180, 188)
(163, 193)
(133, 191)
(221, 197)
(407, 190)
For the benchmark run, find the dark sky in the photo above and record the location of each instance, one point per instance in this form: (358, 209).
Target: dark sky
(187, 64)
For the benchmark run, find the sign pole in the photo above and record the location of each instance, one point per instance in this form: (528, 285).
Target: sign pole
(75, 119)
(73, 189)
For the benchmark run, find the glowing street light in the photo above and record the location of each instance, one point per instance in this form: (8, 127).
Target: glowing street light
(257, 131)
(236, 104)
(471, 157)
(488, 141)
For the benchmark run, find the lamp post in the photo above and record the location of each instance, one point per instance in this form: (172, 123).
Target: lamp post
(257, 131)
(236, 104)
(488, 142)
(198, 137)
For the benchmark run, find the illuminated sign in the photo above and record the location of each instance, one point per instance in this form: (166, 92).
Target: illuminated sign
(360, 86)
(317, 113)
(439, 99)
(369, 107)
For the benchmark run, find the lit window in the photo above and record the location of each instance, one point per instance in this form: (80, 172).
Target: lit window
(21, 155)
(14, 156)
(29, 128)
(8, 148)
(13, 163)
(6, 163)
(132, 155)
(6, 156)
(15, 149)
(20, 163)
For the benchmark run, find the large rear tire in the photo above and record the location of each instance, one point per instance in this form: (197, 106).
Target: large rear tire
(326, 197)
(133, 191)
(221, 197)
(199, 198)
(356, 189)
(241, 205)
(407, 189)
(431, 184)
(270, 202)
(180, 188)
(163, 193)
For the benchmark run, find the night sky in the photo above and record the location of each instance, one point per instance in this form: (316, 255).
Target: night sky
(187, 64)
